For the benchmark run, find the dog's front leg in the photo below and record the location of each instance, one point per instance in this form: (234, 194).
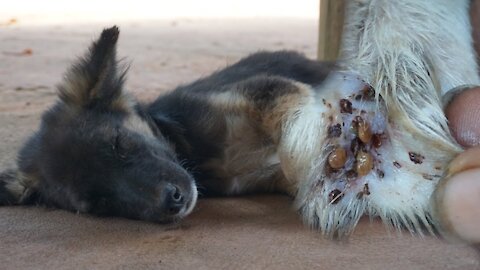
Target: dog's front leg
(328, 141)
(264, 116)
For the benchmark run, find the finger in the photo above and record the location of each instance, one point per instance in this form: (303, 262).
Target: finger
(457, 198)
(463, 114)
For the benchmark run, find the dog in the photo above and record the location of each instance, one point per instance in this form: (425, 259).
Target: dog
(100, 151)
(372, 140)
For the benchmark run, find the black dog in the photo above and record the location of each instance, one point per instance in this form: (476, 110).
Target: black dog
(101, 152)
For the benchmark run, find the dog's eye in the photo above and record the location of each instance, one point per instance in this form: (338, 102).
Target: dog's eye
(116, 143)
(117, 146)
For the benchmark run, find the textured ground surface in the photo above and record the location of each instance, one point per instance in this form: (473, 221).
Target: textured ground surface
(260, 232)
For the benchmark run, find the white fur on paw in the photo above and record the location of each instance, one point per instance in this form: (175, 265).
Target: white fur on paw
(369, 165)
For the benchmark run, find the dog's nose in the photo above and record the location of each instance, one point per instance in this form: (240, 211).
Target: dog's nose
(174, 199)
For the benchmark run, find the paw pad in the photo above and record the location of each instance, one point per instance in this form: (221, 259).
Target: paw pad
(357, 134)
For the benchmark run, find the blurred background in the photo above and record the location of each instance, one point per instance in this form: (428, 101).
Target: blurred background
(58, 11)
(167, 42)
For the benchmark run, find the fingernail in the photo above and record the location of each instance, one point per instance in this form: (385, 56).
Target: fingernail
(460, 205)
(452, 93)
(455, 201)
(468, 159)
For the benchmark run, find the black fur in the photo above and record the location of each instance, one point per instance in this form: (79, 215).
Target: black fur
(181, 114)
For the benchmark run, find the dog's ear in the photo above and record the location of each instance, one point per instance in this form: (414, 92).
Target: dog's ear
(95, 81)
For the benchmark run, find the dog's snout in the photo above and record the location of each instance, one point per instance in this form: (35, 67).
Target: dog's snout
(176, 195)
(174, 199)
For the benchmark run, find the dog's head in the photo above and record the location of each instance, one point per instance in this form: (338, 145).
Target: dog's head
(97, 151)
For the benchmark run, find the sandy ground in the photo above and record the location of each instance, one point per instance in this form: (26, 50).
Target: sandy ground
(260, 232)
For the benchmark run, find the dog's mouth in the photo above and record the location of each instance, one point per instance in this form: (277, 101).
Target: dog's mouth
(190, 205)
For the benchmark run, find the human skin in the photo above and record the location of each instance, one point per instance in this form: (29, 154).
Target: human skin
(459, 196)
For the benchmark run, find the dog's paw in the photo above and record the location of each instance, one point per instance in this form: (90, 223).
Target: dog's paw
(371, 164)
(10, 190)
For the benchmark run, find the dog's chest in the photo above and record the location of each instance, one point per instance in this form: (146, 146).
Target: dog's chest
(248, 161)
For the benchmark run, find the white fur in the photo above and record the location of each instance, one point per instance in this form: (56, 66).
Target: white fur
(412, 52)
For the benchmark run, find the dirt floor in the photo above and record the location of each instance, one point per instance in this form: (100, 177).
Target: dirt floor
(256, 232)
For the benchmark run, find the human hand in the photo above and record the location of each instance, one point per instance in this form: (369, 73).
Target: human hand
(457, 198)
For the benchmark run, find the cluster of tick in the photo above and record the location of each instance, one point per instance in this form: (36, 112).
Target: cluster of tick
(362, 145)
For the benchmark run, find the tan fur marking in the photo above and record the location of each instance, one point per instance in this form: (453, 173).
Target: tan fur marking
(124, 103)
(248, 162)
(72, 91)
(137, 124)
(230, 100)
(254, 129)
(274, 119)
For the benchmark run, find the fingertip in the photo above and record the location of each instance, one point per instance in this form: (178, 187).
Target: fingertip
(463, 114)
(457, 198)
(469, 159)
(461, 209)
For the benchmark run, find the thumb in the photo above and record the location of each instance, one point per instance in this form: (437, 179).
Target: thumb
(457, 198)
